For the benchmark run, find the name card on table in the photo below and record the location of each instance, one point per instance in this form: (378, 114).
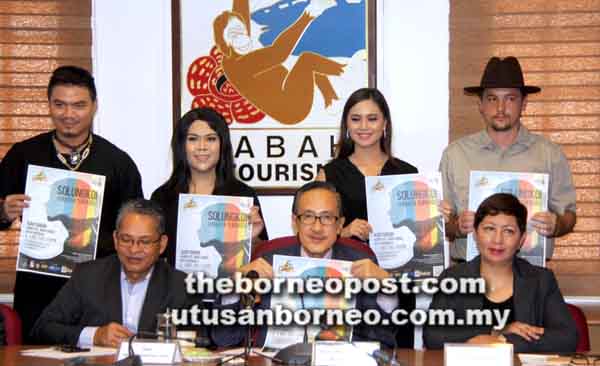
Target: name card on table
(152, 352)
(331, 353)
(462, 354)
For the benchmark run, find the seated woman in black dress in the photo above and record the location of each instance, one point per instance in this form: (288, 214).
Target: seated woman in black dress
(202, 164)
(364, 149)
(539, 320)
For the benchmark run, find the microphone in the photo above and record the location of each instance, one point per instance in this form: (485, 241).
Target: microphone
(383, 358)
(249, 303)
(305, 338)
(132, 359)
(248, 300)
(297, 353)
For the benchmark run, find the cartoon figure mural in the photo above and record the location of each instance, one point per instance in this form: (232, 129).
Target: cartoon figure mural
(274, 73)
(279, 72)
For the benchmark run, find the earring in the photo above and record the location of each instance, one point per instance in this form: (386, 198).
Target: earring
(347, 135)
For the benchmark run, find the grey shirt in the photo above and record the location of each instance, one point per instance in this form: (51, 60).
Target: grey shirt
(530, 153)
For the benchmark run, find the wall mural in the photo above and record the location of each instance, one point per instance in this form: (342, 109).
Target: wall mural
(279, 72)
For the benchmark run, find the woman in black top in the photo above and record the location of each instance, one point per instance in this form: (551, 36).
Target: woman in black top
(202, 164)
(538, 319)
(364, 149)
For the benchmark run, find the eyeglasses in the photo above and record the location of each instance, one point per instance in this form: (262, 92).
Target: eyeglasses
(311, 218)
(580, 359)
(128, 241)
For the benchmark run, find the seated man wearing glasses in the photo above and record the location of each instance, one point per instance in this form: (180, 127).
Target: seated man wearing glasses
(317, 221)
(108, 300)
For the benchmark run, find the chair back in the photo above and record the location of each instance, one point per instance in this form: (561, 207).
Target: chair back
(583, 342)
(12, 325)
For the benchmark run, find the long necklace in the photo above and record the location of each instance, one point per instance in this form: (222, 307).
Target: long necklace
(77, 154)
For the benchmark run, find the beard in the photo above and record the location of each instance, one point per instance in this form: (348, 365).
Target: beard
(498, 127)
(501, 128)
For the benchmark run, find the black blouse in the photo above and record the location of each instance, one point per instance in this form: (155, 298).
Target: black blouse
(500, 306)
(350, 183)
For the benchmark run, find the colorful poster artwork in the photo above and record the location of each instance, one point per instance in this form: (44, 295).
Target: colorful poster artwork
(408, 228)
(532, 191)
(301, 267)
(279, 71)
(214, 234)
(60, 226)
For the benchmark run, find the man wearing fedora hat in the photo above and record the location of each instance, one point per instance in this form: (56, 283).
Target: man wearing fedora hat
(505, 145)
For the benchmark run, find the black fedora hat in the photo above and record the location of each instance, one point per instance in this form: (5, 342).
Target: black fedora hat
(502, 73)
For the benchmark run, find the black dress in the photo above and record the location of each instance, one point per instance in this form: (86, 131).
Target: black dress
(33, 292)
(350, 183)
(168, 199)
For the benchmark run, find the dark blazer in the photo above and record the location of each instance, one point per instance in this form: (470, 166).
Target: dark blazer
(92, 297)
(536, 300)
(345, 249)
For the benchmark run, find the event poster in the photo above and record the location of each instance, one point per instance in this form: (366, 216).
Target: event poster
(279, 71)
(408, 227)
(302, 267)
(532, 191)
(214, 234)
(60, 227)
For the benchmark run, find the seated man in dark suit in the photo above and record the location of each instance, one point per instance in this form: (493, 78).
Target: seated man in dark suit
(109, 299)
(316, 218)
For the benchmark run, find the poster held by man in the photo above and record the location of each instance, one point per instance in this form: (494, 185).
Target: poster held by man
(532, 191)
(60, 226)
(301, 267)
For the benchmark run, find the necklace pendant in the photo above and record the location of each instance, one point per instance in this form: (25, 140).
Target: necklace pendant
(74, 158)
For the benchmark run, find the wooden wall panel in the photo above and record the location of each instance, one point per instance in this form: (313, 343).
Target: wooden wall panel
(35, 38)
(558, 45)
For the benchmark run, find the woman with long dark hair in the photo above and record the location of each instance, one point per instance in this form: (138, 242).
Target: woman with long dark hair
(364, 149)
(202, 164)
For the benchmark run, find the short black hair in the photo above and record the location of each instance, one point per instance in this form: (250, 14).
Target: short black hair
(142, 206)
(502, 203)
(316, 185)
(72, 75)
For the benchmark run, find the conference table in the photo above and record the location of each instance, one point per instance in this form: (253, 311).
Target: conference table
(11, 355)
